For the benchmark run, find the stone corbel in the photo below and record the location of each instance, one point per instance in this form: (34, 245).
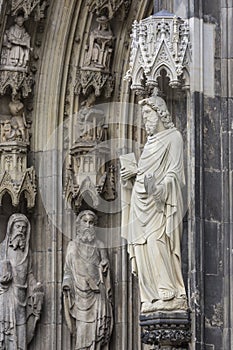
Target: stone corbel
(166, 330)
(159, 43)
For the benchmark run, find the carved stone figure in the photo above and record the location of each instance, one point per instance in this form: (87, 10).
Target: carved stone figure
(15, 129)
(91, 121)
(86, 287)
(17, 286)
(7, 131)
(18, 120)
(100, 46)
(16, 47)
(152, 218)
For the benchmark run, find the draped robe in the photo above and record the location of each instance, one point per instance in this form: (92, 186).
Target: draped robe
(13, 295)
(89, 299)
(153, 227)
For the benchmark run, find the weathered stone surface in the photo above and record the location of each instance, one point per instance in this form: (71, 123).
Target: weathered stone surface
(21, 297)
(212, 262)
(212, 195)
(86, 286)
(206, 125)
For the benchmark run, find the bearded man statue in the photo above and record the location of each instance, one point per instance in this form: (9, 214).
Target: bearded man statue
(152, 216)
(87, 288)
(21, 296)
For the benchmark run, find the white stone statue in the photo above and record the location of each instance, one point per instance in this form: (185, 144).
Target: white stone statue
(17, 287)
(152, 214)
(16, 47)
(87, 288)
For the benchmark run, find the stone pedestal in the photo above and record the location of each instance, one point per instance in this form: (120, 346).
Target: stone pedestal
(166, 330)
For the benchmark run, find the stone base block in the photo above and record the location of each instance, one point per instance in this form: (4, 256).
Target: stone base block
(166, 330)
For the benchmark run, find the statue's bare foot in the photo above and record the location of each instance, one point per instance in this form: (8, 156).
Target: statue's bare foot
(166, 294)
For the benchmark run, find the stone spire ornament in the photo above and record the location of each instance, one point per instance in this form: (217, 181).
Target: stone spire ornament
(159, 43)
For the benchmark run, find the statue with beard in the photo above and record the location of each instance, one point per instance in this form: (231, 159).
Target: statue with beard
(20, 295)
(152, 216)
(86, 287)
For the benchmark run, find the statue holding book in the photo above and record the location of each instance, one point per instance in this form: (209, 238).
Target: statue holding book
(152, 210)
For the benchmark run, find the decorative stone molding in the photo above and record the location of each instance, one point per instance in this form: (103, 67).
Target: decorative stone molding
(168, 329)
(27, 6)
(88, 178)
(15, 178)
(95, 71)
(109, 7)
(159, 43)
(16, 81)
(98, 81)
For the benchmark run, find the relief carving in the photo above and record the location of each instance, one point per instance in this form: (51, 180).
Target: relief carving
(87, 288)
(14, 60)
(95, 71)
(152, 219)
(18, 287)
(16, 47)
(91, 121)
(100, 47)
(17, 127)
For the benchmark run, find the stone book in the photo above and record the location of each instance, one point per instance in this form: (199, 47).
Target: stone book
(128, 161)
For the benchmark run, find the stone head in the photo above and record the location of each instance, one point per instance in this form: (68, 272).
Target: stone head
(85, 226)
(19, 20)
(156, 110)
(18, 231)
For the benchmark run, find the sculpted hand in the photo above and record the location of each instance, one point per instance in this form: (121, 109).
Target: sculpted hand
(6, 278)
(104, 264)
(159, 193)
(66, 290)
(127, 174)
(159, 197)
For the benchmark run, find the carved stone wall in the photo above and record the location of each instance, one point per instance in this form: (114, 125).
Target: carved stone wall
(60, 42)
